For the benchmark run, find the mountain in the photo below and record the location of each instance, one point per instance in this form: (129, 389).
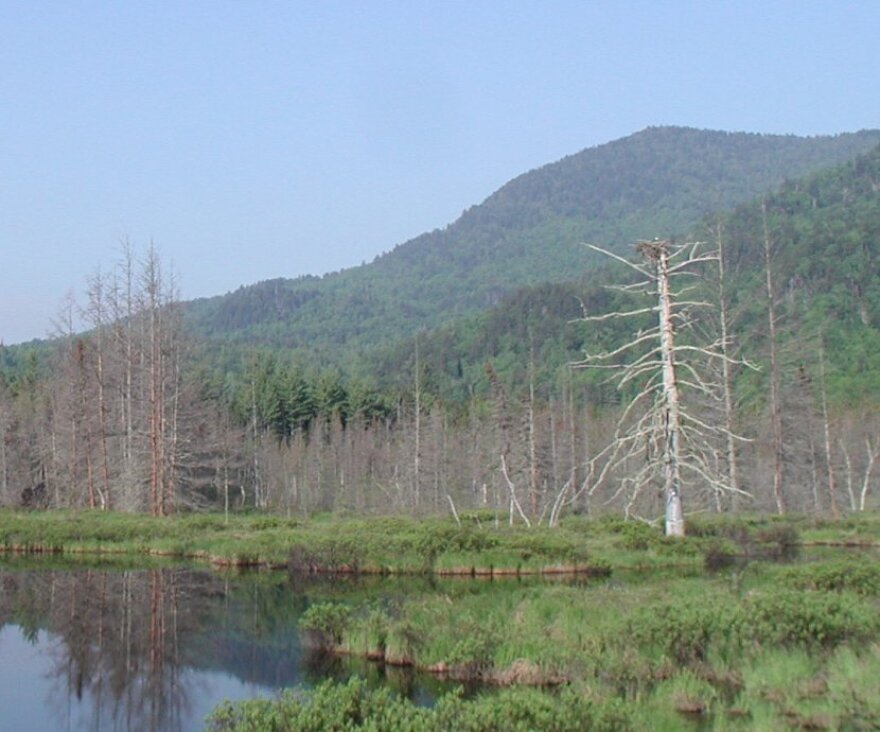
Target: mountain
(824, 231)
(658, 182)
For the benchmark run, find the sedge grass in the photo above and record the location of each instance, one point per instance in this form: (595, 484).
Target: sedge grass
(390, 545)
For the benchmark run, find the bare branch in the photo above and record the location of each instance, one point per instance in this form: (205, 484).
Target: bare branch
(609, 316)
(512, 489)
(641, 270)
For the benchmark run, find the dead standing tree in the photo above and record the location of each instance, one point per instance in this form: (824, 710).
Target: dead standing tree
(673, 445)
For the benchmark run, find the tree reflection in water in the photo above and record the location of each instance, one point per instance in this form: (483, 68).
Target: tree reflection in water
(129, 648)
(157, 649)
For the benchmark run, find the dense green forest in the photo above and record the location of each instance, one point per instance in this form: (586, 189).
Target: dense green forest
(393, 388)
(658, 182)
(825, 230)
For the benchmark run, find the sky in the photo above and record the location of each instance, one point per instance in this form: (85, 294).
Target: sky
(255, 139)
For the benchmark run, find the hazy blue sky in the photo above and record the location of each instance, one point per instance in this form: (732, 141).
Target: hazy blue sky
(252, 140)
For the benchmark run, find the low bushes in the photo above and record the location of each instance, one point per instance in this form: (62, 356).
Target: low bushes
(861, 576)
(380, 545)
(326, 624)
(687, 632)
(802, 618)
(354, 706)
(683, 631)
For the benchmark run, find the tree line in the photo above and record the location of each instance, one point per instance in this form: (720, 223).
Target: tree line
(130, 414)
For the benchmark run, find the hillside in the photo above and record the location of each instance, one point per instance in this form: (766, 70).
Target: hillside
(825, 233)
(660, 181)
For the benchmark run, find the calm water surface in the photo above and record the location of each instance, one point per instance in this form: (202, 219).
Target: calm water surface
(114, 649)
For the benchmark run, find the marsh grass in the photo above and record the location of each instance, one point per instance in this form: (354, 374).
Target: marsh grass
(353, 706)
(779, 647)
(660, 644)
(380, 545)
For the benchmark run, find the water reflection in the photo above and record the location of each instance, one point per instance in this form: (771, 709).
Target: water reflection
(95, 649)
(117, 648)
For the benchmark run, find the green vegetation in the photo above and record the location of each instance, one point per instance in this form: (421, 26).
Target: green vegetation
(824, 241)
(759, 645)
(477, 546)
(353, 706)
(660, 181)
(660, 643)
(824, 231)
(380, 546)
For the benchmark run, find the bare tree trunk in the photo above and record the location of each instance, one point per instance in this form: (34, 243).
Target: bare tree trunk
(162, 361)
(775, 379)
(96, 309)
(155, 372)
(532, 447)
(102, 417)
(726, 376)
(672, 457)
(122, 313)
(417, 453)
(814, 472)
(255, 437)
(657, 436)
(128, 395)
(871, 451)
(554, 445)
(826, 425)
(225, 457)
(847, 461)
(174, 417)
(80, 348)
(514, 502)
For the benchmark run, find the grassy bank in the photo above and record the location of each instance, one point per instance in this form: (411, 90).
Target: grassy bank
(478, 546)
(380, 546)
(761, 646)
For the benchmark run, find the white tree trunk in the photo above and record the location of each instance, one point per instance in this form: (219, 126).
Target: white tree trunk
(672, 457)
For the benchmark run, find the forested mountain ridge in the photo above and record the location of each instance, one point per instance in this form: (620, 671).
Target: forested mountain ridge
(658, 181)
(824, 233)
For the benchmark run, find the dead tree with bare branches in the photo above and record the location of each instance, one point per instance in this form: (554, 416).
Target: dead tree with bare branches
(659, 440)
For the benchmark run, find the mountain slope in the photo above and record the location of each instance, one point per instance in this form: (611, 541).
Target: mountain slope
(656, 182)
(825, 242)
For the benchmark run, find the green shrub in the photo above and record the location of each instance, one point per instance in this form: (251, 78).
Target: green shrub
(326, 623)
(526, 710)
(811, 619)
(403, 641)
(638, 536)
(859, 576)
(437, 540)
(475, 650)
(682, 630)
(326, 555)
(783, 539)
(719, 554)
(353, 706)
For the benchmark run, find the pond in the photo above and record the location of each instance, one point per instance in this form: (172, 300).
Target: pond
(120, 648)
(156, 649)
